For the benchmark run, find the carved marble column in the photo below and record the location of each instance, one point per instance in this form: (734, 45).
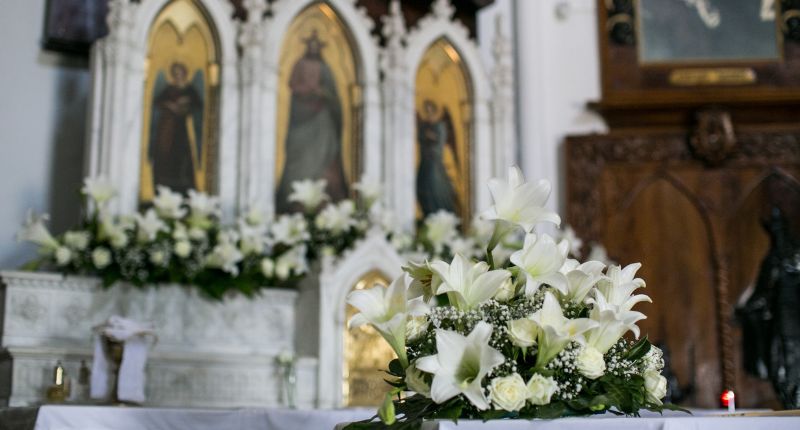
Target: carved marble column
(252, 174)
(398, 99)
(503, 111)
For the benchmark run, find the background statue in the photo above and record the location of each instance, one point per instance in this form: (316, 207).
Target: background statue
(770, 317)
(434, 133)
(314, 138)
(176, 132)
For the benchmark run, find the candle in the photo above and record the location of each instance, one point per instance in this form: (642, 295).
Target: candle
(729, 399)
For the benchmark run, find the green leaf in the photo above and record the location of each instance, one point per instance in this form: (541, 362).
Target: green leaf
(639, 349)
(396, 368)
(451, 411)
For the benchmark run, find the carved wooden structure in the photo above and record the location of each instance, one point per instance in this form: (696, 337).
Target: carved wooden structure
(681, 183)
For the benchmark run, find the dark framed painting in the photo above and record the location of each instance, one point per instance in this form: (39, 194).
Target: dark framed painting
(697, 52)
(70, 26)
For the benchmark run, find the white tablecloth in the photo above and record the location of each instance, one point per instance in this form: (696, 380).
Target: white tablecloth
(618, 423)
(131, 418)
(128, 418)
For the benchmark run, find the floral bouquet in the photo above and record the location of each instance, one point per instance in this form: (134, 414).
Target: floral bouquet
(183, 239)
(539, 336)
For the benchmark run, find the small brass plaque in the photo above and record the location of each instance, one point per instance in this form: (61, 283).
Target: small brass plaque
(712, 76)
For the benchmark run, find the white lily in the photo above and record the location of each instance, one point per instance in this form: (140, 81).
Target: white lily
(424, 281)
(541, 259)
(441, 228)
(292, 261)
(519, 202)
(460, 364)
(114, 232)
(255, 215)
(34, 231)
(149, 225)
(555, 330)
(336, 218)
(225, 255)
(581, 279)
(168, 203)
(613, 322)
(290, 229)
(369, 189)
(99, 189)
(385, 308)
(468, 284)
(201, 208)
(619, 284)
(253, 238)
(77, 240)
(309, 193)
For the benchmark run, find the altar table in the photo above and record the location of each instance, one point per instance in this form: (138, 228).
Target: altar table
(51, 417)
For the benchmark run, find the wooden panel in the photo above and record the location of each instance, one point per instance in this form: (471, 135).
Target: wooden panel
(696, 228)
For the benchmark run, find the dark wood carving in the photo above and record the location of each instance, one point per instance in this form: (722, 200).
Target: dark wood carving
(654, 197)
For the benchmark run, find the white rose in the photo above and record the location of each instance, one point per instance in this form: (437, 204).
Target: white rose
(283, 269)
(78, 240)
(63, 256)
(522, 332)
(541, 389)
(506, 291)
(101, 257)
(590, 363)
(508, 392)
(656, 386)
(183, 248)
(157, 257)
(267, 267)
(416, 327)
(119, 240)
(197, 233)
(415, 381)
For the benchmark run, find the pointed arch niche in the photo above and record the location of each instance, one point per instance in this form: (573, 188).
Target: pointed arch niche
(371, 259)
(443, 103)
(129, 67)
(437, 31)
(350, 55)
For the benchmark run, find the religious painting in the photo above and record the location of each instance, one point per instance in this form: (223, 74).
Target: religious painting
(318, 107)
(707, 30)
(365, 355)
(444, 131)
(179, 142)
(72, 25)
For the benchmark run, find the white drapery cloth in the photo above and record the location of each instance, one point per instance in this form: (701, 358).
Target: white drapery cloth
(136, 338)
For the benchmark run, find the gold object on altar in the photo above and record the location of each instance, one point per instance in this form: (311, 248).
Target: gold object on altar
(365, 354)
(59, 391)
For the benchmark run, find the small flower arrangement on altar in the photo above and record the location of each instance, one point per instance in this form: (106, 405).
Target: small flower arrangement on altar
(539, 335)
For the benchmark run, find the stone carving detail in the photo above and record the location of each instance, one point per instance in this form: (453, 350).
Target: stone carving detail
(208, 354)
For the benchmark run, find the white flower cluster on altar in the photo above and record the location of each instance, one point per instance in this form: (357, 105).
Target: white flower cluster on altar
(181, 239)
(537, 335)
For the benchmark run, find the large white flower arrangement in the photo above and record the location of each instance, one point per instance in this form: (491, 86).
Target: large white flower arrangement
(181, 239)
(538, 335)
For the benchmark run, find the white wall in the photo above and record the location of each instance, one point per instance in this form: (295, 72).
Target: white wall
(42, 122)
(558, 73)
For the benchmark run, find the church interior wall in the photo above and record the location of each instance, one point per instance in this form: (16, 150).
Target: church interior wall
(557, 73)
(42, 128)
